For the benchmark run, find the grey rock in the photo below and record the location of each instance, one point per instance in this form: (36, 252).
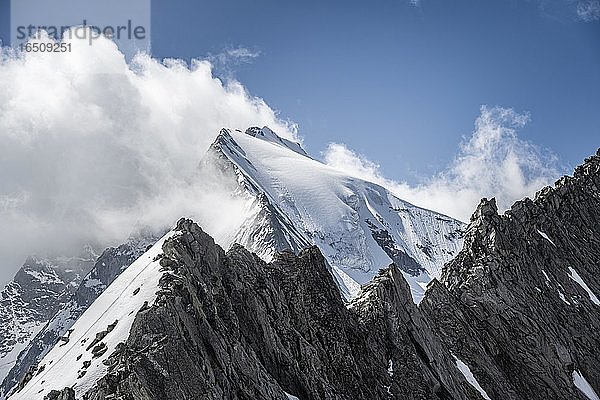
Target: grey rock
(65, 394)
(233, 327)
(509, 306)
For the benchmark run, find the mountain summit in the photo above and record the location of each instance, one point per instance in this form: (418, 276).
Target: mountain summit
(359, 226)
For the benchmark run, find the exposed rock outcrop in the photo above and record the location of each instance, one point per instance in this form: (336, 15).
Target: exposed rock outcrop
(65, 394)
(519, 301)
(228, 325)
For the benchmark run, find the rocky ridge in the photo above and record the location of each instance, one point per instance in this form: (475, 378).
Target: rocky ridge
(520, 302)
(229, 325)
(514, 316)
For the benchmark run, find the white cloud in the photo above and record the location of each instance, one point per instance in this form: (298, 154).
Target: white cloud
(226, 61)
(242, 53)
(589, 11)
(493, 162)
(87, 155)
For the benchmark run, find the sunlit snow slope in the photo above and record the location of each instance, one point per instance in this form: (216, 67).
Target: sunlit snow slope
(107, 267)
(359, 226)
(79, 359)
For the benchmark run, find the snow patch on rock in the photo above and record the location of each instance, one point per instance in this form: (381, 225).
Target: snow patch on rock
(466, 371)
(575, 276)
(583, 385)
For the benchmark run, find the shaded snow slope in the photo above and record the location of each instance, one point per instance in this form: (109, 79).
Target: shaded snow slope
(582, 384)
(575, 276)
(466, 371)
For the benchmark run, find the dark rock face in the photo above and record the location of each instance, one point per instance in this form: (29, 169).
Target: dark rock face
(65, 394)
(229, 326)
(511, 304)
(402, 260)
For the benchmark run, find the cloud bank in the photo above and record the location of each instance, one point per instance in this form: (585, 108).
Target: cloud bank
(91, 146)
(493, 162)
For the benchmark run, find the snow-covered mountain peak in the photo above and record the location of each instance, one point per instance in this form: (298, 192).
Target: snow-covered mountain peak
(265, 135)
(268, 135)
(359, 226)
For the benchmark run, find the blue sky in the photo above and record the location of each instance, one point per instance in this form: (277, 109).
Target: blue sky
(398, 82)
(402, 83)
